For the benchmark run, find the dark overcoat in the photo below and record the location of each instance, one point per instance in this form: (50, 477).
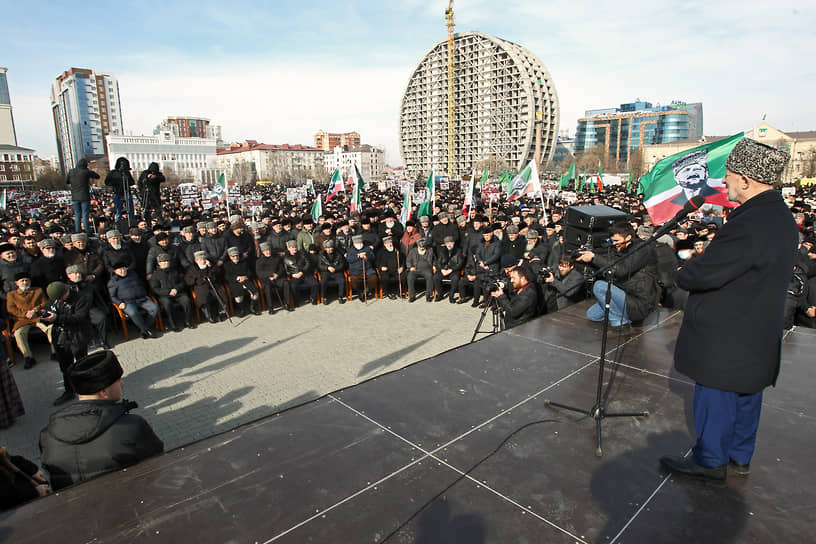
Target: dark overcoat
(731, 334)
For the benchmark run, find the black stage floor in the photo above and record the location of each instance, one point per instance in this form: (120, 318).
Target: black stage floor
(422, 455)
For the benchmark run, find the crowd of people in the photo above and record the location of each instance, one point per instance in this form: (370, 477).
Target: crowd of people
(69, 270)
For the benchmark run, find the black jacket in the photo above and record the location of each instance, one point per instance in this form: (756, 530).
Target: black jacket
(336, 260)
(79, 179)
(521, 307)
(731, 334)
(116, 180)
(149, 186)
(88, 438)
(165, 280)
(636, 276)
(45, 271)
(126, 289)
(445, 258)
(388, 259)
(266, 267)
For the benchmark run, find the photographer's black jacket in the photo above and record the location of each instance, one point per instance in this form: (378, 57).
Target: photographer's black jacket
(521, 307)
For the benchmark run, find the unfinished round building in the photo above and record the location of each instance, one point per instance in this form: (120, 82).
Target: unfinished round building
(498, 87)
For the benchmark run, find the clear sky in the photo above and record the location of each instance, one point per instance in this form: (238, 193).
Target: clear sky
(278, 71)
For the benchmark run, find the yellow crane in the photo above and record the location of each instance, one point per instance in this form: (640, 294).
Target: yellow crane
(451, 104)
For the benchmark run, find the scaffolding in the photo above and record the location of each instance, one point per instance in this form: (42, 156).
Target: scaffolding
(498, 88)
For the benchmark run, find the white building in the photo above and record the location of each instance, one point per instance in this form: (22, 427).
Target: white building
(252, 161)
(85, 107)
(369, 160)
(191, 159)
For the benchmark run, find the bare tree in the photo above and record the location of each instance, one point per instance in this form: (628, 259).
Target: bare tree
(589, 159)
(495, 166)
(50, 179)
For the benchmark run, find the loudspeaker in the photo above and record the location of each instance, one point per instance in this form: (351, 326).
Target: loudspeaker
(593, 217)
(588, 226)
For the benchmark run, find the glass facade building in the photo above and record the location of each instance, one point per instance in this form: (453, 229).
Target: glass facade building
(623, 130)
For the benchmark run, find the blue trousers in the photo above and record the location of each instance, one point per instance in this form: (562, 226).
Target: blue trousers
(617, 305)
(81, 211)
(118, 204)
(142, 313)
(726, 425)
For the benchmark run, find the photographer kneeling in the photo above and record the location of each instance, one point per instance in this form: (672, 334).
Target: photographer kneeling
(567, 286)
(522, 303)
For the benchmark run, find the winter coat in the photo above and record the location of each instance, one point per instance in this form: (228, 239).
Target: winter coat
(335, 260)
(165, 280)
(45, 271)
(441, 231)
(111, 257)
(514, 247)
(266, 267)
(16, 484)
(233, 270)
(388, 259)
(215, 246)
(731, 334)
(522, 307)
(445, 258)
(489, 254)
(19, 302)
(79, 179)
(88, 438)
(355, 263)
(422, 263)
(126, 289)
(116, 180)
(295, 263)
(150, 187)
(10, 269)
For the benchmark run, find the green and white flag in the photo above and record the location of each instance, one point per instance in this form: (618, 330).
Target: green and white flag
(335, 185)
(526, 182)
(317, 209)
(310, 187)
(568, 176)
(427, 207)
(4, 200)
(676, 179)
(356, 192)
(405, 212)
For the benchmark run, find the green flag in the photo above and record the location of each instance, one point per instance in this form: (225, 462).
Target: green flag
(356, 192)
(317, 209)
(567, 177)
(676, 179)
(427, 207)
(526, 182)
(581, 188)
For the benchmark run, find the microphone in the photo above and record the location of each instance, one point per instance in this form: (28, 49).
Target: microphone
(691, 206)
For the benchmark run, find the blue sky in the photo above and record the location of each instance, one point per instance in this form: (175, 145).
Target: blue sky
(279, 72)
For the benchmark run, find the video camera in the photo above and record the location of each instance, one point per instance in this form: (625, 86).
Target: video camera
(496, 282)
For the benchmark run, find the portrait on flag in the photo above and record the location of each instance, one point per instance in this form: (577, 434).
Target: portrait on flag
(691, 173)
(674, 180)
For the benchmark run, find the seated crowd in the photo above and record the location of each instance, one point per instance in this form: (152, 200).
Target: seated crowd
(187, 264)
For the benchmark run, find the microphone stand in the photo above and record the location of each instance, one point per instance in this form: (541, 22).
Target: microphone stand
(598, 411)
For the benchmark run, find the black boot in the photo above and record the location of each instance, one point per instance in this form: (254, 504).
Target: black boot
(68, 394)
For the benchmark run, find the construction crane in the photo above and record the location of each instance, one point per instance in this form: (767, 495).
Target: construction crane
(451, 104)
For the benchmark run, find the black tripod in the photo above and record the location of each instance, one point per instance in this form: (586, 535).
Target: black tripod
(598, 411)
(128, 203)
(498, 318)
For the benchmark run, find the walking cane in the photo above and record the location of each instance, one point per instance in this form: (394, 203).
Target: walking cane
(365, 288)
(399, 276)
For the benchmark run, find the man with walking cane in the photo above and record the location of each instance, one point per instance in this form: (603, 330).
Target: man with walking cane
(390, 267)
(360, 260)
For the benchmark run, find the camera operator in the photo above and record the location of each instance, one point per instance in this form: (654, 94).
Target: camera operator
(69, 313)
(149, 185)
(521, 304)
(634, 289)
(566, 284)
(120, 180)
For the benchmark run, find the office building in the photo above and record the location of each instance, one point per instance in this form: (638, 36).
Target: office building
(184, 159)
(86, 109)
(620, 131)
(251, 161)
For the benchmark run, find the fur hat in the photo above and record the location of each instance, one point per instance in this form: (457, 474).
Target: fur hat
(357, 238)
(162, 257)
(46, 243)
(95, 372)
(291, 243)
(233, 251)
(200, 255)
(79, 237)
(532, 234)
(113, 233)
(757, 161)
(328, 243)
(73, 269)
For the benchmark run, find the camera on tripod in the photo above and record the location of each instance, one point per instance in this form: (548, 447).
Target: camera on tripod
(495, 282)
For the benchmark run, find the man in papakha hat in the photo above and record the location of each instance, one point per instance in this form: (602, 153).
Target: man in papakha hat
(96, 434)
(730, 339)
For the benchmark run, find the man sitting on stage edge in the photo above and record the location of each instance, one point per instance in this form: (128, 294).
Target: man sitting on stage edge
(634, 288)
(96, 434)
(730, 339)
